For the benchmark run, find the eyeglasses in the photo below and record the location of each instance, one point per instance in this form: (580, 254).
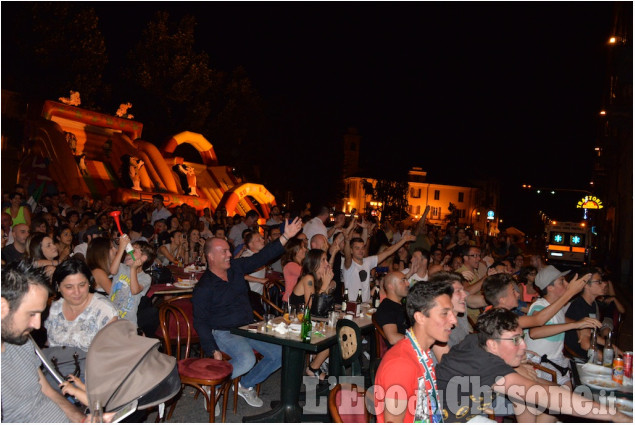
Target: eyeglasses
(516, 339)
(595, 281)
(474, 255)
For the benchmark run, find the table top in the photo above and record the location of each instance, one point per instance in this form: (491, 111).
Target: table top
(579, 377)
(185, 272)
(167, 288)
(292, 339)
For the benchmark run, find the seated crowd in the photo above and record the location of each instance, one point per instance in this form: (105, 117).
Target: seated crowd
(454, 306)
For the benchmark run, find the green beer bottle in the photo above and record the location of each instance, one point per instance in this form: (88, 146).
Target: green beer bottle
(305, 333)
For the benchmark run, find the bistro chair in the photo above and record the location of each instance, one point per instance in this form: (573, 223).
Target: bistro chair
(184, 302)
(347, 404)
(195, 372)
(381, 342)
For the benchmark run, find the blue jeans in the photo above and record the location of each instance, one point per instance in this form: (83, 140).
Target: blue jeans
(243, 360)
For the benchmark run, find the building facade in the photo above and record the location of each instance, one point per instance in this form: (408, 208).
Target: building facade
(471, 212)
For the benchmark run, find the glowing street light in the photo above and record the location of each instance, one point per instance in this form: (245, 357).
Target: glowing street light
(602, 112)
(612, 40)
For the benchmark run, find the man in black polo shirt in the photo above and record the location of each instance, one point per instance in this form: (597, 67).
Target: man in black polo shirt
(391, 314)
(16, 251)
(221, 302)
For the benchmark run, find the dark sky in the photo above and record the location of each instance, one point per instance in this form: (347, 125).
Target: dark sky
(502, 90)
(505, 89)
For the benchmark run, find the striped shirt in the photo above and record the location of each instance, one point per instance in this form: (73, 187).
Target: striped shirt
(22, 396)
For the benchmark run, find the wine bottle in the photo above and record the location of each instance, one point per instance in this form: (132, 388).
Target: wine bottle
(376, 298)
(345, 300)
(305, 333)
(608, 353)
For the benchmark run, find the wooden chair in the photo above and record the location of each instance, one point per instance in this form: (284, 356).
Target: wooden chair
(347, 403)
(195, 372)
(184, 302)
(381, 342)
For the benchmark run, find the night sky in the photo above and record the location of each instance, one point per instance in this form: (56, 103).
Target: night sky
(477, 88)
(505, 90)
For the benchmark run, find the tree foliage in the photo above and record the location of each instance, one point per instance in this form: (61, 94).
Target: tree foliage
(176, 89)
(54, 47)
(394, 198)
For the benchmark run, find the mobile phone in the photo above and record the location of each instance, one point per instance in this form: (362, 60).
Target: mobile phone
(125, 411)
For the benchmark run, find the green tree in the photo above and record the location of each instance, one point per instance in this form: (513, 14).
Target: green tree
(172, 84)
(175, 89)
(453, 217)
(52, 48)
(394, 198)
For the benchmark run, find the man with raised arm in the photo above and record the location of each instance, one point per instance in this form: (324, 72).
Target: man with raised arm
(548, 340)
(500, 291)
(221, 302)
(357, 268)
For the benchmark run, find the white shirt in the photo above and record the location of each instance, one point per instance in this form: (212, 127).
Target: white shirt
(352, 278)
(313, 227)
(158, 215)
(260, 273)
(415, 277)
(236, 233)
(81, 249)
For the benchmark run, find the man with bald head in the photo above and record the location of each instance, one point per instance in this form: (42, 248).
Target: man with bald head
(391, 314)
(16, 251)
(318, 241)
(221, 302)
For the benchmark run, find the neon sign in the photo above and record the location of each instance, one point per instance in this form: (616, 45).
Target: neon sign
(590, 202)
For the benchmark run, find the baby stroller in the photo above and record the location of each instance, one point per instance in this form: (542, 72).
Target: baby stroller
(125, 371)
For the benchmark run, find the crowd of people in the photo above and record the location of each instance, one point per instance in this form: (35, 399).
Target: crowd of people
(437, 288)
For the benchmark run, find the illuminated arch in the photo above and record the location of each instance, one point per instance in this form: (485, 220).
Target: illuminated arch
(200, 143)
(232, 197)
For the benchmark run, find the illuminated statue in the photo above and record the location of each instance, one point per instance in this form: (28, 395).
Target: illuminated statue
(187, 177)
(72, 100)
(81, 163)
(130, 166)
(72, 141)
(122, 112)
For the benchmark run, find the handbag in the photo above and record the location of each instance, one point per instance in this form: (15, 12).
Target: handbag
(161, 275)
(322, 303)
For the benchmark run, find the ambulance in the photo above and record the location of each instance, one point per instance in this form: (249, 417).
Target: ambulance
(568, 243)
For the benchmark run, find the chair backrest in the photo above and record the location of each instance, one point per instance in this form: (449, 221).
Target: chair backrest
(176, 328)
(552, 373)
(184, 302)
(349, 342)
(273, 291)
(381, 342)
(347, 403)
(271, 307)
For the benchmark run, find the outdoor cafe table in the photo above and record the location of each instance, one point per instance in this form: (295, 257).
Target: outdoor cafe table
(622, 392)
(293, 352)
(167, 289)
